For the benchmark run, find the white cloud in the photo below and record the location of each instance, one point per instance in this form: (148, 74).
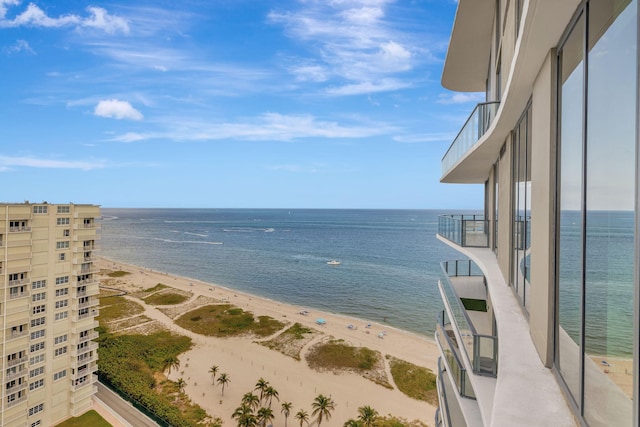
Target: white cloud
(425, 137)
(116, 109)
(6, 162)
(461, 98)
(368, 87)
(33, 16)
(266, 127)
(354, 41)
(19, 46)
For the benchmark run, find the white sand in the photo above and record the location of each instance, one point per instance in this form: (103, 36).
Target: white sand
(245, 361)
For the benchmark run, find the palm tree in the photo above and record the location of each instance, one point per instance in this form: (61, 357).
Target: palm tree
(262, 386)
(223, 379)
(352, 423)
(270, 393)
(213, 371)
(170, 362)
(367, 415)
(181, 384)
(322, 407)
(302, 416)
(251, 400)
(265, 415)
(286, 410)
(244, 416)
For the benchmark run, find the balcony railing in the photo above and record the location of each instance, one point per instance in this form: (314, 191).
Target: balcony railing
(465, 230)
(481, 349)
(442, 418)
(451, 350)
(19, 229)
(475, 126)
(14, 362)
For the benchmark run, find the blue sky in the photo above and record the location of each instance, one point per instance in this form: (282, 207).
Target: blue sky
(229, 103)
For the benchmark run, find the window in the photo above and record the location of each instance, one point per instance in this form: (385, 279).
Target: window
(35, 385)
(62, 280)
(62, 315)
(37, 322)
(66, 233)
(62, 245)
(62, 221)
(61, 304)
(36, 423)
(35, 372)
(40, 296)
(60, 339)
(36, 347)
(62, 256)
(62, 292)
(40, 209)
(63, 209)
(596, 188)
(59, 375)
(60, 351)
(39, 284)
(39, 358)
(38, 309)
(37, 408)
(37, 334)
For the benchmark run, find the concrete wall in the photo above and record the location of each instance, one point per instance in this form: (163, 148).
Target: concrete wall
(543, 159)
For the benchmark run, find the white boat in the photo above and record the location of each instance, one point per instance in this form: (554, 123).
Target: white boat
(334, 262)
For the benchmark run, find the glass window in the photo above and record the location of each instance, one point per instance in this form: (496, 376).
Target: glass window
(596, 192)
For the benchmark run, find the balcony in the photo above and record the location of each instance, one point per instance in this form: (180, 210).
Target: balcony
(92, 346)
(465, 230)
(15, 362)
(16, 401)
(11, 375)
(89, 315)
(476, 125)
(449, 348)
(464, 292)
(19, 229)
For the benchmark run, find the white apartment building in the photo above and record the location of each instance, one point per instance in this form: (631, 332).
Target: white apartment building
(47, 312)
(541, 312)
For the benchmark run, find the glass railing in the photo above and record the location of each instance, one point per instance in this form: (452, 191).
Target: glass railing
(451, 354)
(465, 230)
(475, 126)
(482, 350)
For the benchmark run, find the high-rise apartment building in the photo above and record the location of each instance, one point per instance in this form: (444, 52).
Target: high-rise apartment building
(540, 326)
(47, 312)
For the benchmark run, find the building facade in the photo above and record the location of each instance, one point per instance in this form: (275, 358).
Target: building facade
(540, 325)
(47, 312)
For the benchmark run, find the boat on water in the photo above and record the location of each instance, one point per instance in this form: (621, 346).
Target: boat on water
(334, 262)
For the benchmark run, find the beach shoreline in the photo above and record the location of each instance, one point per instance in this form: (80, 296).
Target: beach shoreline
(246, 361)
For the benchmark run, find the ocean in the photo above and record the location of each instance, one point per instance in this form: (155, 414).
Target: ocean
(390, 259)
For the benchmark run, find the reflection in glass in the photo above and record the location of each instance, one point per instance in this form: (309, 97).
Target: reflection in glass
(610, 188)
(569, 243)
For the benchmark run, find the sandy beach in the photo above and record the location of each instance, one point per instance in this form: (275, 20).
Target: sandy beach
(245, 361)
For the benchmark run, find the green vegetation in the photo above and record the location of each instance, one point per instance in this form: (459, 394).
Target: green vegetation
(165, 298)
(225, 320)
(89, 418)
(157, 287)
(335, 354)
(471, 304)
(117, 307)
(133, 364)
(298, 331)
(118, 273)
(414, 381)
(391, 421)
(291, 341)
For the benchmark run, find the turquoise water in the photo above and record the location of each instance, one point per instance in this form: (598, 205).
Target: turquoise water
(390, 258)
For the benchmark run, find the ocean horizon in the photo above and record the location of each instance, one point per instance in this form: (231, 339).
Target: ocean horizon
(389, 259)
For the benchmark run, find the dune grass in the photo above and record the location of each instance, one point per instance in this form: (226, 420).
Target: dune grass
(117, 307)
(336, 354)
(415, 381)
(118, 273)
(165, 298)
(226, 320)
